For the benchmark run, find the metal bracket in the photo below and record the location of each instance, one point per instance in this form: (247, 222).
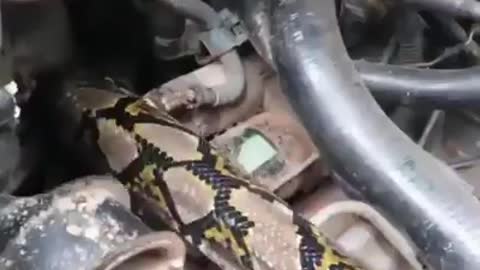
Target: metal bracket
(218, 41)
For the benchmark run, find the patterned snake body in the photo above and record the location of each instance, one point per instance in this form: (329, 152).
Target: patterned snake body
(152, 154)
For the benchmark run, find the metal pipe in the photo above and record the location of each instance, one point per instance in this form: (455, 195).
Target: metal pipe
(413, 86)
(217, 84)
(223, 94)
(419, 193)
(234, 85)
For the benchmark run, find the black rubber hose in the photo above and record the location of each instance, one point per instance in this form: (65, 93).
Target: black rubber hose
(414, 86)
(427, 90)
(418, 192)
(462, 8)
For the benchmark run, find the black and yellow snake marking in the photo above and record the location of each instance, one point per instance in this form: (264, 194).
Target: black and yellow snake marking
(153, 154)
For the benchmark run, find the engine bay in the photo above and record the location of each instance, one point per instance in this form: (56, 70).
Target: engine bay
(246, 135)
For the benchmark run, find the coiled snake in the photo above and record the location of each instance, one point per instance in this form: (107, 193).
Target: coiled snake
(152, 154)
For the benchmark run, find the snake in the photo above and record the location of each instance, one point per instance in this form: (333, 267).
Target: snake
(215, 211)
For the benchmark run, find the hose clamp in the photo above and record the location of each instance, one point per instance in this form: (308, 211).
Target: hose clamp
(218, 41)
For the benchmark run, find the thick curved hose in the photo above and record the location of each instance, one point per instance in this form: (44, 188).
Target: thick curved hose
(463, 90)
(411, 86)
(419, 193)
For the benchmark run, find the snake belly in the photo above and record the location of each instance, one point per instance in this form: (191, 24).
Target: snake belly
(152, 154)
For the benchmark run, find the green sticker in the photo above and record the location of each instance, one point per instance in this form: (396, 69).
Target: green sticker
(254, 152)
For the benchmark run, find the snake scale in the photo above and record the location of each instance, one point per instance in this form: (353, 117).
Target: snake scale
(152, 154)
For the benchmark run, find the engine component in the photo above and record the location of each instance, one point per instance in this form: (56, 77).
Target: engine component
(190, 50)
(84, 225)
(402, 85)
(360, 230)
(208, 121)
(255, 15)
(214, 85)
(215, 33)
(411, 86)
(190, 90)
(377, 160)
(274, 151)
(215, 38)
(198, 195)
